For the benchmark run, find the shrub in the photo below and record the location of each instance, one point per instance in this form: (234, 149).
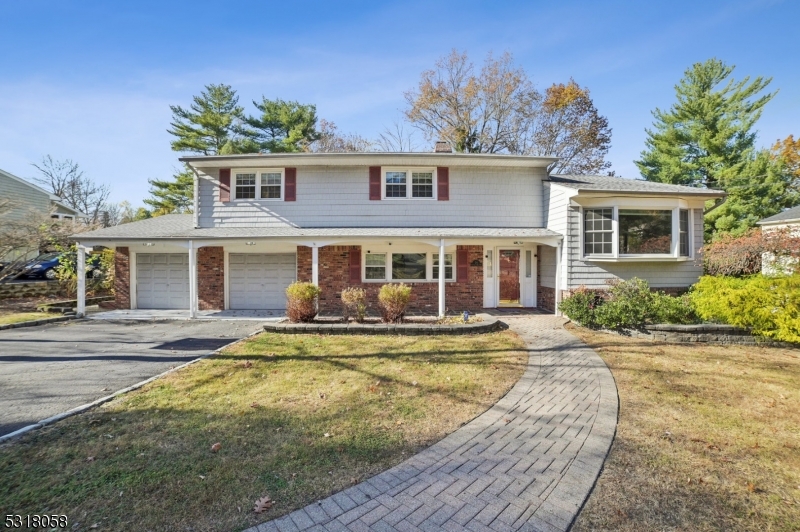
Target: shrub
(354, 303)
(301, 301)
(393, 299)
(626, 305)
(580, 306)
(741, 255)
(768, 305)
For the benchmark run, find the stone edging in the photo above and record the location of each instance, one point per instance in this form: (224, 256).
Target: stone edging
(107, 398)
(34, 323)
(704, 333)
(489, 324)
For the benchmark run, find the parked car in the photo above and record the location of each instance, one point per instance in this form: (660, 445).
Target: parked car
(44, 266)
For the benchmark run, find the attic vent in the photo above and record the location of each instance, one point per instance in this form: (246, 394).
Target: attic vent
(442, 147)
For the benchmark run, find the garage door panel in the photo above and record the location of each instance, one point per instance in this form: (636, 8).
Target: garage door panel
(259, 281)
(162, 281)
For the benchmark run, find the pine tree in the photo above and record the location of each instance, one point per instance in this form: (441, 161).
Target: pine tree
(214, 124)
(284, 127)
(706, 138)
(172, 197)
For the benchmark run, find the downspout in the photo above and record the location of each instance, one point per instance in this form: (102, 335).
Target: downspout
(196, 199)
(713, 207)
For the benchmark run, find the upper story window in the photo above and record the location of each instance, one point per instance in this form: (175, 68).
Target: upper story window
(408, 183)
(261, 184)
(613, 232)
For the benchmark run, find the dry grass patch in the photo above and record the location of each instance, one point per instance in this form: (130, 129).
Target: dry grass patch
(297, 417)
(8, 317)
(708, 438)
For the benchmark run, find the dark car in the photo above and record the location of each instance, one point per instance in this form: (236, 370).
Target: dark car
(44, 266)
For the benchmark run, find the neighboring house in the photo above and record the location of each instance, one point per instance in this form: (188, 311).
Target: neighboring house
(510, 234)
(26, 199)
(789, 220)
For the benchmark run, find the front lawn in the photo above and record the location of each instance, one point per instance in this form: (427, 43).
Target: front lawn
(708, 438)
(296, 418)
(8, 317)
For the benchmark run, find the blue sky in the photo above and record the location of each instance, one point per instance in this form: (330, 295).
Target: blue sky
(93, 80)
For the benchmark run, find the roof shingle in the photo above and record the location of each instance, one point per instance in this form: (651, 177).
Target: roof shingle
(601, 183)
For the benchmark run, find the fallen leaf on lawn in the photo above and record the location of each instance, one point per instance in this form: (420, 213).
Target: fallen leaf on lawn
(216, 447)
(327, 434)
(247, 364)
(202, 477)
(90, 459)
(254, 405)
(95, 525)
(413, 383)
(373, 389)
(322, 396)
(106, 390)
(263, 504)
(751, 487)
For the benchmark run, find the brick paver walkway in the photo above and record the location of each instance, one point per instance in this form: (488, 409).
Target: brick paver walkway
(528, 463)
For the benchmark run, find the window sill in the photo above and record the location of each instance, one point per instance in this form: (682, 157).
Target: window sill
(637, 258)
(254, 200)
(406, 281)
(408, 199)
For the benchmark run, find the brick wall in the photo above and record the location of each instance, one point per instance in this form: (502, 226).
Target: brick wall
(334, 263)
(122, 278)
(211, 278)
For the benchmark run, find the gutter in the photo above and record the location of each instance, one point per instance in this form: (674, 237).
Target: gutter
(713, 207)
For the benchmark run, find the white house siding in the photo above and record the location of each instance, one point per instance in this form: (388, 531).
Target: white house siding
(339, 197)
(547, 265)
(556, 201)
(658, 274)
(23, 199)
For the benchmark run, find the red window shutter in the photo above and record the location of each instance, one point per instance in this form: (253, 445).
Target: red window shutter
(290, 186)
(224, 185)
(443, 183)
(462, 265)
(374, 182)
(355, 265)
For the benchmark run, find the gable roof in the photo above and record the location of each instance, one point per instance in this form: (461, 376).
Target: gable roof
(181, 227)
(602, 183)
(789, 215)
(55, 199)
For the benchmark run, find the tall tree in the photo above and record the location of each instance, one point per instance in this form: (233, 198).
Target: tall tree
(172, 197)
(66, 180)
(284, 126)
(788, 152)
(498, 110)
(213, 124)
(706, 138)
(332, 141)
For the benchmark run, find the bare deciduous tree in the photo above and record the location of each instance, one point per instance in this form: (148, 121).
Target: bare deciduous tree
(396, 139)
(65, 179)
(499, 111)
(331, 141)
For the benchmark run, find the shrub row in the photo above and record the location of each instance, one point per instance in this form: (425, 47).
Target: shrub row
(626, 305)
(302, 298)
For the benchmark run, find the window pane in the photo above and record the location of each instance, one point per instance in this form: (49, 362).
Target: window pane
(448, 266)
(645, 232)
(422, 184)
(408, 266)
(684, 233)
(271, 179)
(597, 231)
(376, 259)
(395, 184)
(375, 266)
(245, 186)
(245, 179)
(528, 263)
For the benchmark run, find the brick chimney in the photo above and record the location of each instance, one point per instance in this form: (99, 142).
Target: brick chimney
(442, 147)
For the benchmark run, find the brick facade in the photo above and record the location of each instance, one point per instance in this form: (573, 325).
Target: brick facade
(122, 278)
(211, 278)
(334, 263)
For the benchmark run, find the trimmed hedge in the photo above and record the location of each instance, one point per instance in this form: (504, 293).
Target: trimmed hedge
(770, 306)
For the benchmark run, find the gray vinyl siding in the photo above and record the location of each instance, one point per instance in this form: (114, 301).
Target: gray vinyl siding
(339, 197)
(22, 198)
(658, 274)
(547, 266)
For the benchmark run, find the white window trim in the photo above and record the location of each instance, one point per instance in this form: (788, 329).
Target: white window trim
(409, 183)
(429, 278)
(258, 172)
(616, 256)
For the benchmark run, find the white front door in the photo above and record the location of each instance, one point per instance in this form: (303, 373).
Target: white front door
(162, 280)
(258, 281)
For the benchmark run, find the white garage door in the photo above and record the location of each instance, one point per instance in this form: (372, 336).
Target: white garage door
(259, 281)
(162, 280)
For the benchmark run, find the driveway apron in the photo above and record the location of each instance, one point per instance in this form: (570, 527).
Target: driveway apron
(528, 463)
(50, 369)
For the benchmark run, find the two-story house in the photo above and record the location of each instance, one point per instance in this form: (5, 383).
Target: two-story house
(466, 231)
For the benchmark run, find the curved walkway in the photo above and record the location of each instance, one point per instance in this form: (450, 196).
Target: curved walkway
(528, 463)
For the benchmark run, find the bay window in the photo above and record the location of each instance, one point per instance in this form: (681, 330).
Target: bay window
(611, 233)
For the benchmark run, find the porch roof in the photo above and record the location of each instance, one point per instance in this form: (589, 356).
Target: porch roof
(180, 227)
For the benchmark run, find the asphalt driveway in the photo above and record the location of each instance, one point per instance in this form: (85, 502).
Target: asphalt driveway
(50, 369)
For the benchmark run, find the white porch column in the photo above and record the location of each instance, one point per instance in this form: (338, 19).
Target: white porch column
(441, 278)
(557, 298)
(192, 280)
(81, 272)
(315, 265)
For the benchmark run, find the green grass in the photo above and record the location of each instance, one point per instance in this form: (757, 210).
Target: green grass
(7, 318)
(297, 417)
